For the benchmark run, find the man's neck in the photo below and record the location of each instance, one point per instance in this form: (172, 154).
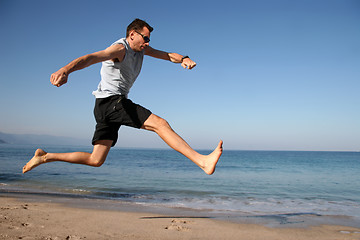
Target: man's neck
(130, 44)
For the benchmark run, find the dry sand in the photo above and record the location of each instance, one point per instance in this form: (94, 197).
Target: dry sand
(21, 219)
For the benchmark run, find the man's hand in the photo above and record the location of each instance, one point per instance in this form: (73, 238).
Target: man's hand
(59, 78)
(188, 63)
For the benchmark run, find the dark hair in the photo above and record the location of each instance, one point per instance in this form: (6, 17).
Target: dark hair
(138, 25)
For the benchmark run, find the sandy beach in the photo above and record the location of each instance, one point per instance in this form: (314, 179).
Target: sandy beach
(22, 219)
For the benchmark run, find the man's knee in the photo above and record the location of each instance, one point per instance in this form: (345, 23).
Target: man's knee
(96, 161)
(100, 152)
(155, 123)
(161, 123)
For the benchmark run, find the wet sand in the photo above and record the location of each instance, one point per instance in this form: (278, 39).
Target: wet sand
(22, 219)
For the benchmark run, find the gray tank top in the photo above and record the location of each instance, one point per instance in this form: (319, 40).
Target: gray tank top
(118, 77)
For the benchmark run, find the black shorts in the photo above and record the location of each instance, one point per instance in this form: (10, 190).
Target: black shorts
(112, 112)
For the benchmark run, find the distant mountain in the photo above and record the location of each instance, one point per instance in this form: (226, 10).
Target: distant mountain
(40, 139)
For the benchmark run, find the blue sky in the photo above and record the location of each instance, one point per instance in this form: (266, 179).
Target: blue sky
(270, 75)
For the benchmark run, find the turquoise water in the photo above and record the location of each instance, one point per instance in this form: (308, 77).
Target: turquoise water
(246, 183)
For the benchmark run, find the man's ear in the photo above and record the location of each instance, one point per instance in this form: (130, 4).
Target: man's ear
(132, 34)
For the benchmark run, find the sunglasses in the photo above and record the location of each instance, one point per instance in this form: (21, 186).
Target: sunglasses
(146, 38)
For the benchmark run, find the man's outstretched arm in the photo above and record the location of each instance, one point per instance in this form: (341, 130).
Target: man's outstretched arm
(173, 57)
(113, 52)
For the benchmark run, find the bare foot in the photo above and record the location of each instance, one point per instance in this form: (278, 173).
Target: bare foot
(38, 159)
(212, 159)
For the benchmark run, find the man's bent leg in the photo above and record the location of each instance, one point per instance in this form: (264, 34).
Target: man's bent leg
(163, 129)
(95, 159)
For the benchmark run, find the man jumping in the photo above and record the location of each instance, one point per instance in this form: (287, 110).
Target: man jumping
(121, 64)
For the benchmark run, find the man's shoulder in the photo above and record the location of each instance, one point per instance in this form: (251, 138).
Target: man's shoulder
(117, 52)
(121, 41)
(118, 46)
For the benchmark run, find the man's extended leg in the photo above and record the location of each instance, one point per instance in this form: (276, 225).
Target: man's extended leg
(95, 159)
(163, 129)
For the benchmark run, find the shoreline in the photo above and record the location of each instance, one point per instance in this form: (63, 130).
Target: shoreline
(38, 217)
(273, 220)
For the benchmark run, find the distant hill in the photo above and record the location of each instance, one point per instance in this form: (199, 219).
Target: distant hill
(6, 138)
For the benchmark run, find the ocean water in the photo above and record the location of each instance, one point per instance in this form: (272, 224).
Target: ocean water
(277, 185)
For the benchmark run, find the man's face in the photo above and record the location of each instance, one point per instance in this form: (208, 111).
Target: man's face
(139, 39)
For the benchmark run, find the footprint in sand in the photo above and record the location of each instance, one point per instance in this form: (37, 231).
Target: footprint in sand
(53, 238)
(178, 225)
(8, 208)
(73, 237)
